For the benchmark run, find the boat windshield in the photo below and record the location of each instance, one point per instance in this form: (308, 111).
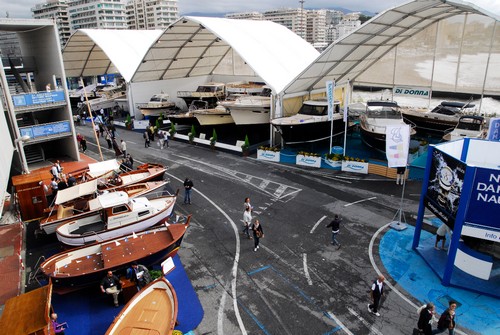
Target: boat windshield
(208, 89)
(155, 99)
(317, 110)
(470, 124)
(383, 113)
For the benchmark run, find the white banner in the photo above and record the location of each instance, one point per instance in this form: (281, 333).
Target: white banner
(346, 100)
(330, 90)
(397, 144)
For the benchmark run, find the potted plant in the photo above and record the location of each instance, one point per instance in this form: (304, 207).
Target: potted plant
(128, 122)
(172, 130)
(334, 160)
(192, 134)
(245, 147)
(213, 140)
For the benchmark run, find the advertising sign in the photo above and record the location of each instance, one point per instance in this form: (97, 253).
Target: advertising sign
(484, 202)
(45, 130)
(412, 91)
(446, 178)
(356, 167)
(397, 144)
(268, 155)
(330, 89)
(494, 129)
(24, 100)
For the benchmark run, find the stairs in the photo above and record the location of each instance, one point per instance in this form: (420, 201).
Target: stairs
(34, 153)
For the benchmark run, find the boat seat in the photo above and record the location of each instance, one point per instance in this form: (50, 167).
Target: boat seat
(80, 205)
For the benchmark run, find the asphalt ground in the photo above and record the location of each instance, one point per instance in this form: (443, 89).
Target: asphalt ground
(297, 282)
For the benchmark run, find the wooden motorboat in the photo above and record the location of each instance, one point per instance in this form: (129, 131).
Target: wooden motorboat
(468, 126)
(440, 119)
(210, 92)
(244, 88)
(311, 123)
(153, 310)
(28, 313)
(73, 203)
(373, 122)
(117, 215)
(158, 104)
(89, 264)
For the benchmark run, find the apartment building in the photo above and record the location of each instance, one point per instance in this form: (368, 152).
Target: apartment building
(151, 14)
(97, 14)
(245, 16)
(56, 10)
(316, 28)
(294, 19)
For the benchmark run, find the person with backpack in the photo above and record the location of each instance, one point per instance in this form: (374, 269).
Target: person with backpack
(447, 320)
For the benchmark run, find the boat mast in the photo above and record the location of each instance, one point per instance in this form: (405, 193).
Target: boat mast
(91, 119)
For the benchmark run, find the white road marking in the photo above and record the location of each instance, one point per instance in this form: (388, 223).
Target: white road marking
(344, 328)
(363, 321)
(317, 223)
(357, 202)
(306, 271)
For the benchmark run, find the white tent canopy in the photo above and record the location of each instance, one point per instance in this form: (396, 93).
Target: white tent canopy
(92, 52)
(201, 46)
(352, 56)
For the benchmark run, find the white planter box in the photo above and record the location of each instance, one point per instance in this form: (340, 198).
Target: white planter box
(357, 167)
(308, 161)
(334, 164)
(266, 155)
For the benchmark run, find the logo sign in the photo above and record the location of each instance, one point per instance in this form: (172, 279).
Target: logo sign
(482, 232)
(29, 99)
(494, 129)
(397, 144)
(357, 167)
(265, 155)
(308, 161)
(330, 88)
(412, 91)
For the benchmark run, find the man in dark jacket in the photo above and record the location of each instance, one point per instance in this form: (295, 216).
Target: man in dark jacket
(425, 318)
(111, 285)
(335, 224)
(188, 185)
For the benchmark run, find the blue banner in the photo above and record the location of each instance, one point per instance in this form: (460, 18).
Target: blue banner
(46, 129)
(494, 129)
(484, 203)
(31, 99)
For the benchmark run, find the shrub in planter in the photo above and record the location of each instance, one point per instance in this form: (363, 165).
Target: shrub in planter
(172, 130)
(192, 134)
(245, 146)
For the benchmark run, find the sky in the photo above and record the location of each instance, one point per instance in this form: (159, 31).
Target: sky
(22, 8)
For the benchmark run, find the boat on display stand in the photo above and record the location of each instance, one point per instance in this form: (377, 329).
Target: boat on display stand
(373, 122)
(158, 104)
(472, 126)
(73, 203)
(440, 119)
(210, 92)
(85, 265)
(210, 116)
(153, 310)
(116, 216)
(311, 123)
(250, 109)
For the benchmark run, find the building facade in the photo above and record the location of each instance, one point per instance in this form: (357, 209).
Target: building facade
(97, 14)
(56, 10)
(294, 19)
(151, 14)
(245, 16)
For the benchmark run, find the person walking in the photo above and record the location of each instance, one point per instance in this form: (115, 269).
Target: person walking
(166, 135)
(161, 139)
(441, 236)
(188, 185)
(425, 319)
(377, 290)
(146, 139)
(335, 225)
(96, 129)
(247, 221)
(258, 233)
(447, 320)
(83, 142)
(131, 161)
(111, 285)
(400, 175)
(108, 140)
(124, 148)
(247, 204)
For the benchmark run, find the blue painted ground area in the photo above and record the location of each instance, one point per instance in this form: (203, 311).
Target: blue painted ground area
(89, 312)
(477, 312)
